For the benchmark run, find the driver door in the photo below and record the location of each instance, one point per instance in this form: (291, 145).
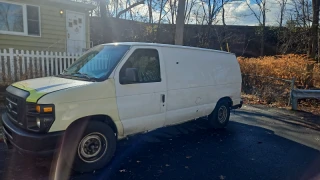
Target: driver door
(142, 103)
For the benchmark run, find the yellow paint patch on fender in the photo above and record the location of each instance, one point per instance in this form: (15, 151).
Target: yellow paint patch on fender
(34, 95)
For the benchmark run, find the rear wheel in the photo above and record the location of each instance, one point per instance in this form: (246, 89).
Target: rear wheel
(219, 118)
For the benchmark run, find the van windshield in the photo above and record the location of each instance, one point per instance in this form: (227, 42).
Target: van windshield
(97, 63)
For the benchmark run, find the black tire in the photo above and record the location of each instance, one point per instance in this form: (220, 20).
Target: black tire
(95, 134)
(219, 117)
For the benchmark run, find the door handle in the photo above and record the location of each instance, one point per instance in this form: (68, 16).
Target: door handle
(163, 97)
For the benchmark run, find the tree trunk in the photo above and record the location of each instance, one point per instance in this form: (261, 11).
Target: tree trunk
(180, 23)
(159, 22)
(318, 46)
(312, 45)
(262, 41)
(150, 11)
(223, 20)
(107, 37)
(263, 28)
(303, 14)
(224, 40)
(172, 9)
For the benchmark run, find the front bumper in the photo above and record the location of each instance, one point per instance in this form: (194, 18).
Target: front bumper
(29, 142)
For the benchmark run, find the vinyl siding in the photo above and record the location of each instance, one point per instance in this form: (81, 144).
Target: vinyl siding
(53, 29)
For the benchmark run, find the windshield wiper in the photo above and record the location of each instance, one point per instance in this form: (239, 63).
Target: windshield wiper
(84, 75)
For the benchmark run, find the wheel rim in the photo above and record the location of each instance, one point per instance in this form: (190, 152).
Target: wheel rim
(222, 114)
(92, 147)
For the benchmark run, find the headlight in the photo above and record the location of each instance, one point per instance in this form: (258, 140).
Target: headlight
(38, 122)
(40, 117)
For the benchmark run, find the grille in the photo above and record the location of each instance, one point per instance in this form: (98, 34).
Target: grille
(13, 104)
(16, 104)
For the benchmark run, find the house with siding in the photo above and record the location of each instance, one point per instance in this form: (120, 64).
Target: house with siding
(45, 25)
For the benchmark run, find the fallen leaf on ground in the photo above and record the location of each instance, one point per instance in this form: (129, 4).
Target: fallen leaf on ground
(122, 170)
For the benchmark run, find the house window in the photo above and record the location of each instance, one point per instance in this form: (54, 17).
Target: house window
(19, 19)
(33, 20)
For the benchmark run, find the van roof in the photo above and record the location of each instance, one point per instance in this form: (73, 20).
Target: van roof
(165, 45)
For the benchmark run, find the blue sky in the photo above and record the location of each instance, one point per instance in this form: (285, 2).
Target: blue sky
(236, 12)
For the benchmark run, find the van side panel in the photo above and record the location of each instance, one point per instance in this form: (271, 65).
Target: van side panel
(196, 80)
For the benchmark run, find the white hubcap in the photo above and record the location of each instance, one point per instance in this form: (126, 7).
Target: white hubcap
(222, 114)
(92, 147)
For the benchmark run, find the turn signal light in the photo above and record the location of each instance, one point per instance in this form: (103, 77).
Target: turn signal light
(42, 109)
(38, 108)
(47, 109)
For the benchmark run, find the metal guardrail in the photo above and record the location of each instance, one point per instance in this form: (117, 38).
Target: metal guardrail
(303, 94)
(290, 82)
(295, 94)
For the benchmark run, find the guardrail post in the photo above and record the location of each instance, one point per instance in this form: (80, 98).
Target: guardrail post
(294, 104)
(291, 88)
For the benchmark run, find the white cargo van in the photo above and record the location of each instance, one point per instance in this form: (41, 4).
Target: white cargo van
(115, 90)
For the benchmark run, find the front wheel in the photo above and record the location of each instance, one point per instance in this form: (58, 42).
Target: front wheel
(219, 118)
(92, 144)
(96, 147)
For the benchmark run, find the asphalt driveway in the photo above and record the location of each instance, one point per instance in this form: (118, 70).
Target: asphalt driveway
(257, 144)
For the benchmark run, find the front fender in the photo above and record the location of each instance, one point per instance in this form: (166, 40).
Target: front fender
(67, 113)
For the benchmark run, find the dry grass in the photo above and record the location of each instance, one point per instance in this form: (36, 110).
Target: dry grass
(259, 88)
(284, 66)
(307, 105)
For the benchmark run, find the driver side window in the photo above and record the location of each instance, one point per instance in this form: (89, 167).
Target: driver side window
(146, 64)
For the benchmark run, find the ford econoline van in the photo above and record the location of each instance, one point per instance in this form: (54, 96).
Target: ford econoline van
(115, 90)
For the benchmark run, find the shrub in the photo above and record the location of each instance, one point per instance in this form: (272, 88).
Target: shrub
(283, 66)
(266, 76)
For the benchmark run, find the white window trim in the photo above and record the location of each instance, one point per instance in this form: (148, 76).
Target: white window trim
(25, 21)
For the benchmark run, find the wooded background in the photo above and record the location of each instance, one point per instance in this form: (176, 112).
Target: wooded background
(203, 23)
(241, 40)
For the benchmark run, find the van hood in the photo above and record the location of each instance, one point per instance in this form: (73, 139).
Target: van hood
(41, 86)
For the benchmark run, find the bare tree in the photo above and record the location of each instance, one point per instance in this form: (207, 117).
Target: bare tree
(162, 4)
(223, 17)
(189, 7)
(313, 44)
(224, 44)
(282, 4)
(260, 15)
(280, 31)
(302, 12)
(129, 7)
(213, 8)
(294, 38)
(149, 2)
(180, 23)
(104, 21)
(173, 10)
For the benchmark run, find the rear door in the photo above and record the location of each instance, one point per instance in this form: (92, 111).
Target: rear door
(141, 104)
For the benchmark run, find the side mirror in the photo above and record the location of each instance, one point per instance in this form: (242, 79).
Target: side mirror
(131, 76)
